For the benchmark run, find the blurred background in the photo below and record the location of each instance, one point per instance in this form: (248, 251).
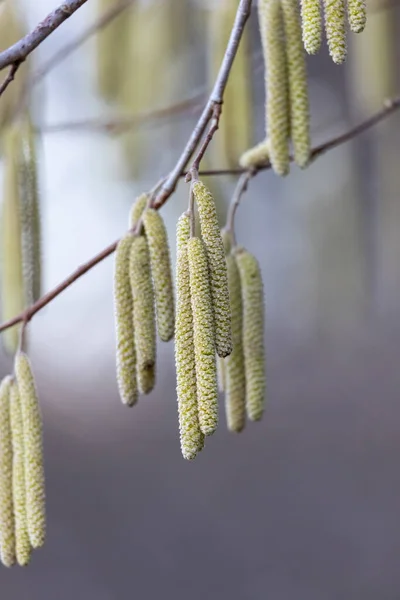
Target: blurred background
(305, 504)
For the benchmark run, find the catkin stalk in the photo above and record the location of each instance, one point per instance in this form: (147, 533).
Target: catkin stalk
(160, 261)
(123, 308)
(253, 332)
(212, 239)
(357, 15)
(23, 548)
(311, 25)
(276, 83)
(33, 442)
(191, 436)
(204, 336)
(335, 28)
(7, 523)
(143, 312)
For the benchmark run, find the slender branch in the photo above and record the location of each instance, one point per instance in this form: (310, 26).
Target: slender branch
(240, 189)
(10, 77)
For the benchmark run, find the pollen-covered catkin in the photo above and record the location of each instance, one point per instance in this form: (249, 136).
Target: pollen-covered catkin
(123, 308)
(23, 548)
(276, 83)
(192, 438)
(137, 209)
(256, 156)
(33, 442)
(253, 332)
(335, 28)
(235, 390)
(311, 25)
(204, 336)
(160, 261)
(212, 239)
(7, 533)
(143, 311)
(227, 241)
(357, 15)
(298, 88)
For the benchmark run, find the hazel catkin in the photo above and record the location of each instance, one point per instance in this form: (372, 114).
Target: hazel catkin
(253, 332)
(191, 436)
(33, 446)
(204, 336)
(137, 209)
(357, 15)
(335, 28)
(255, 157)
(7, 525)
(160, 261)
(311, 25)
(214, 246)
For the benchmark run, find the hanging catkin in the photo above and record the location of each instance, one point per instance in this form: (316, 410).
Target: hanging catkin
(137, 209)
(298, 88)
(276, 83)
(7, 524)
(311, 25)
(256, 156)
(235, 390)
(192, 438)
(123, 308)
(211, 235)
(143, 313)
(253, 332)
(33, 441)
(160, 260)
(23, 546)
(357, 15)
(335, 28)
(204, 336)
(227, 242)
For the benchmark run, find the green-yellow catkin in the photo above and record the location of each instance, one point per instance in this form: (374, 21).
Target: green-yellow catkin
(33, 441)
(255, 157)
(192, 438)
(123, 309)
(160, 261)
(23, 548)
(227, 242)
(7, 524)
(311, 25)
(298, 88)
(143, 310)
(204, 336)
(357, 15)
(235, 390)
(276, 82)
(335, 28)
(253, 332)
(137, 209)
(212, 239)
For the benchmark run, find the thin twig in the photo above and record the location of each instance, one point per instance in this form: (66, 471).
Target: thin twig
(10, 77)
(240, 189)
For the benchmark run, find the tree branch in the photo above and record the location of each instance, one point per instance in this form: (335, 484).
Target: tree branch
(10, 77)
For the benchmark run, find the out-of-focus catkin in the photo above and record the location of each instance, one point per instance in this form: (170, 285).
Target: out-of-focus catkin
(256, 156)
(33, 441)
(276, 81)
(160, 260)
(123, 308)
(311, 25)
(235, 390)
(23, 548)
(7, 523)
(298, 88)
(253, 332)
(137, 209)
(143, 310)
(192, 438)
(357, 15)
(204, 336)
(211, 235)
(335, 28)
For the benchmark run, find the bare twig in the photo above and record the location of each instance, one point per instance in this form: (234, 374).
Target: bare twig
(241, 187)
(10, 77)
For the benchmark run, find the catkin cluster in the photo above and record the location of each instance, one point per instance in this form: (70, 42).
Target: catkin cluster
(22, 485)
(143, 296)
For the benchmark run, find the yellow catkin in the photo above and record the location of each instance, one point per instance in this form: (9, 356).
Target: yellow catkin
(33, 441)
(7, 525)
(123, 309)
(298, 88)
(160, 260)
(137, 209)
(143, 311)
(335, 28)
(276, 81)
(204, 336)
(235, 390)
(23, 548)
(212, 239)
(255, 157)
(357, 15)
(311, 25)
(253, 332)
(192, 438)
(227, 242)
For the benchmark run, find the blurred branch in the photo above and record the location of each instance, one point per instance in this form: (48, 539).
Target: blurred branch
(10, 77)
